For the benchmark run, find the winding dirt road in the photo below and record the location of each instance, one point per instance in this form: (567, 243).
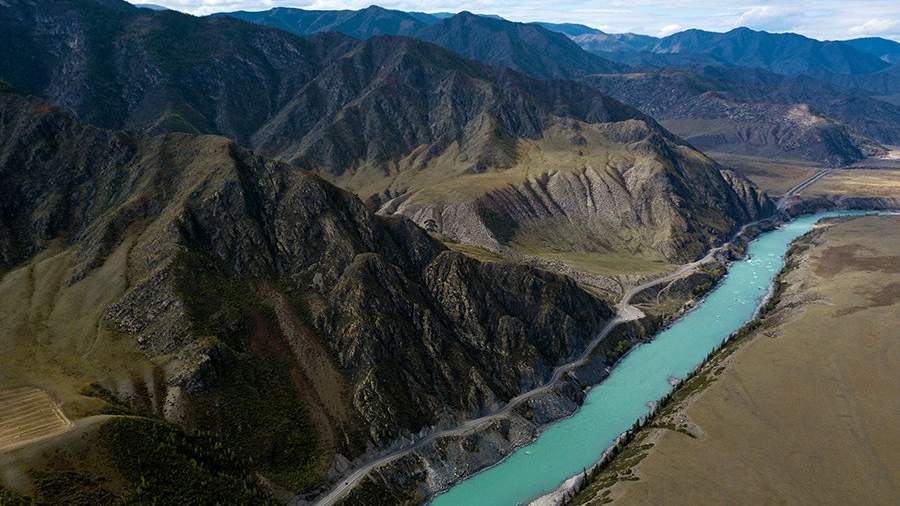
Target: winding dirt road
(625, 312)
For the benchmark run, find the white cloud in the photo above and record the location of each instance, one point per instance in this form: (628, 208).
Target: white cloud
(770, 17)
(879, 26)
(670, 29)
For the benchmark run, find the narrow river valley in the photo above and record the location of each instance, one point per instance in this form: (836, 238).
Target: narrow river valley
(643, 376)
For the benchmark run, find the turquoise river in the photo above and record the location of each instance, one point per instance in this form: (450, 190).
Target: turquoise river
(572, 444)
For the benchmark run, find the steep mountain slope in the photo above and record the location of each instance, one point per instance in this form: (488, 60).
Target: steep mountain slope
(390, 97)
(391, 118)
(258, 301)
(119, 66)
(360, 24)
(497, 159)
(758, 112)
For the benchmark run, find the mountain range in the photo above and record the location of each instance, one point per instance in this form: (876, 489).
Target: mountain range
(392, 119)
(283, 303)
(753, 111)
(171, 186)
(864, 66)
(308, 237)
(806, 117)
(528, 48)
(785, 53)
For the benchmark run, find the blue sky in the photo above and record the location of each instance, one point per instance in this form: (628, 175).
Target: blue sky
(826, 19)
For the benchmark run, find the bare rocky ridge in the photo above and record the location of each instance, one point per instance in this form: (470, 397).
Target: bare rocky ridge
(232, 258)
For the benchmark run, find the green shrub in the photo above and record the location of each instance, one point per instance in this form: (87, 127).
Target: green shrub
(167, 466)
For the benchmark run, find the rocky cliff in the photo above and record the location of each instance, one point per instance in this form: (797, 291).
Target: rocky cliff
(293, 321)
(628, 187)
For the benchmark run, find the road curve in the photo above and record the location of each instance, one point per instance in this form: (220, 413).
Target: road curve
(624, 312)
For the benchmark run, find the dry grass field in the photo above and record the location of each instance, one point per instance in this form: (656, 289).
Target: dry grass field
(802, 411)
(859, 183)
(52, 335)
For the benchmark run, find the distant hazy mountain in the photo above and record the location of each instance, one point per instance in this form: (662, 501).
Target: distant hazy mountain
(361, 24)
(570, 29)
(610, 42)
(595, 40)
(785, 53)
(753, 111)
(153, 7)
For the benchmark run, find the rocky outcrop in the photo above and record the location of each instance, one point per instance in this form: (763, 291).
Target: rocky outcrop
(416, 335)
(657, 198)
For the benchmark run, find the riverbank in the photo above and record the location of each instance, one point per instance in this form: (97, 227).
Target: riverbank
(440, 460)
(643, 377)
(443, 459)
(758, 422)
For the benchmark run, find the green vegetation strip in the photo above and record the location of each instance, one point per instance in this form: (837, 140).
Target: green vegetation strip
(160, 464)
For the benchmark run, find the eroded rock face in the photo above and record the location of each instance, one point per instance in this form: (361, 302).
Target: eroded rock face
(652, 196)
(415, 334)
